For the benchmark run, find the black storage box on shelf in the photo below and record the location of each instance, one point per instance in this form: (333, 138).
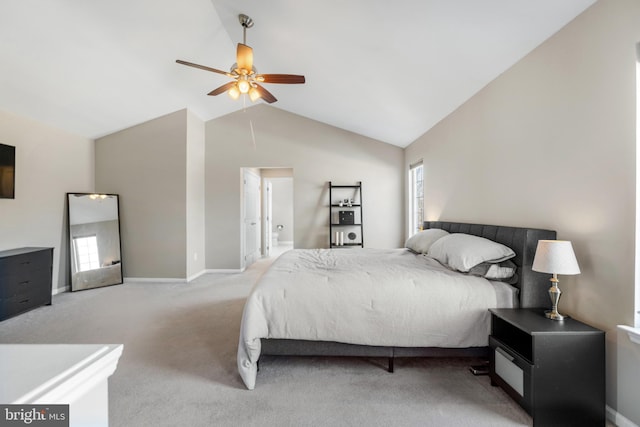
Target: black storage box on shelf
(346, 217)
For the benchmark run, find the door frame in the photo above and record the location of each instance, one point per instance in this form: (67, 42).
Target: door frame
(267, 215)
(243, 210)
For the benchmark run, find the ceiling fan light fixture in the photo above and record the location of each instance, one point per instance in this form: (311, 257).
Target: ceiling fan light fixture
(234, 92)
(243, 86)
(254, 95)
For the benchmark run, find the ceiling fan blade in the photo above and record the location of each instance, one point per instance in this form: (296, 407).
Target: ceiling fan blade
(244, 57)
(203, 67)
(222, 89)
(265, 94)
(280, 78)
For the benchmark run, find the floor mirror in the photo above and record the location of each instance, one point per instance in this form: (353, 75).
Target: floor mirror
(94, 240)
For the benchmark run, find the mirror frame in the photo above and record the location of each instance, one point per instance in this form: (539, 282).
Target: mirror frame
(104, 275)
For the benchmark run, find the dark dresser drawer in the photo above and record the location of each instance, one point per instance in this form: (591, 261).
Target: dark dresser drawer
(25, 282)
(10, 307)
(24, 262)
(25, 279)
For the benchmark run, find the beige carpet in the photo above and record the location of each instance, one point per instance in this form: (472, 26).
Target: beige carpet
(178, 367)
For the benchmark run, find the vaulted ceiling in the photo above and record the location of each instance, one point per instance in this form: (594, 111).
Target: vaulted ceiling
(386, 70)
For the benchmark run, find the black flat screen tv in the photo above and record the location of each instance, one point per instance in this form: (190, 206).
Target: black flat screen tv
(7, 171)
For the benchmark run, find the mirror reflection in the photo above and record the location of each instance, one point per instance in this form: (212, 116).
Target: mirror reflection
(94, 240)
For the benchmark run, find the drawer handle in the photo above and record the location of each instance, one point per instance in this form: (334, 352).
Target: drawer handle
(26, 262)
(23, 301)
(505, 354)
(26, 282)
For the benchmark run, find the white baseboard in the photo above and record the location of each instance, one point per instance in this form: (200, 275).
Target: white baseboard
(154, 280)
(618, 419)
(195, 276)
(179, 279)
(225, 270)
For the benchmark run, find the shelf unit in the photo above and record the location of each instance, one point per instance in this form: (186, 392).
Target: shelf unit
(345, 215)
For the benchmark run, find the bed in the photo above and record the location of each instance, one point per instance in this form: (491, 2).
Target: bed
(387, 302)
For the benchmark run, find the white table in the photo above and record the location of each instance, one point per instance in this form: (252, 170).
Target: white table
(73, 374)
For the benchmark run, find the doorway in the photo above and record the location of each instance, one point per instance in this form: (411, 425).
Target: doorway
(272, 198)
(278, 213)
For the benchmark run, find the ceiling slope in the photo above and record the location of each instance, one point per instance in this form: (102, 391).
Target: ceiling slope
(386, 70)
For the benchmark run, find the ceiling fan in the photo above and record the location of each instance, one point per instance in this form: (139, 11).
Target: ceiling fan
(246, 80)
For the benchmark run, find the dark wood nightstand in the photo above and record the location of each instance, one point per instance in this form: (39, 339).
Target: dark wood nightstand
(554, 369)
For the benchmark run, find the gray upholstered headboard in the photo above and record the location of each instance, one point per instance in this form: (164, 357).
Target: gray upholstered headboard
(533, 285)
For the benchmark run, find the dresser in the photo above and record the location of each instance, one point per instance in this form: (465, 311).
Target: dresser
(25, 280)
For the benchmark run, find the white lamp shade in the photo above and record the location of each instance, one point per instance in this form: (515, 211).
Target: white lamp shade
(555, 256)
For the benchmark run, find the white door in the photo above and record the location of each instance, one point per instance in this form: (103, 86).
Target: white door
(267, 214)
(251, 220)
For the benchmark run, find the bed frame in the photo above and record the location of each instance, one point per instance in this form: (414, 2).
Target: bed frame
(532, 287)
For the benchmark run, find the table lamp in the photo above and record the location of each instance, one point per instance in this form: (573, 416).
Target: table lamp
(555, 257)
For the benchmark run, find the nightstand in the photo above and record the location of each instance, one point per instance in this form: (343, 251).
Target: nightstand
(555, 370)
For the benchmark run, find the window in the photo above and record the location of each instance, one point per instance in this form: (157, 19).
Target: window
(86, 249)
(416, 197)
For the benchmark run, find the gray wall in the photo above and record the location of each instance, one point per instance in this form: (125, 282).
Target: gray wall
(49, 163)
(551, 143)
(318, 153)
(195, 196)
(147, 166)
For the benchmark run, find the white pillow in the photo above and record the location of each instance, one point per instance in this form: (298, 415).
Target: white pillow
(422, 240)
(463, 251)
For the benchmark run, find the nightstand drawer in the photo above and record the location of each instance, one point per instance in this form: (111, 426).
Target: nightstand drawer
(508, 370)
(511, 371)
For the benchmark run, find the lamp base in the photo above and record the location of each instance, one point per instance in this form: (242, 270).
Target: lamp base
(554, 315)
(554, 294)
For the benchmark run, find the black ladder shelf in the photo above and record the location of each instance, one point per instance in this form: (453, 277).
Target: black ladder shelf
(345, 216)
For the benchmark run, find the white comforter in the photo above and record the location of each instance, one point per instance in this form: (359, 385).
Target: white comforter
(385, 297)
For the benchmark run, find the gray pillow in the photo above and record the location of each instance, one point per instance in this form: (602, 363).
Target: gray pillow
(504, 271)
(462, 251)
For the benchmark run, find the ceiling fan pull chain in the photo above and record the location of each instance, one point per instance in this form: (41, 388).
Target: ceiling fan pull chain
(253, 135)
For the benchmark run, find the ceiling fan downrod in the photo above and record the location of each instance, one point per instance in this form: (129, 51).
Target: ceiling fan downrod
(246, 22)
